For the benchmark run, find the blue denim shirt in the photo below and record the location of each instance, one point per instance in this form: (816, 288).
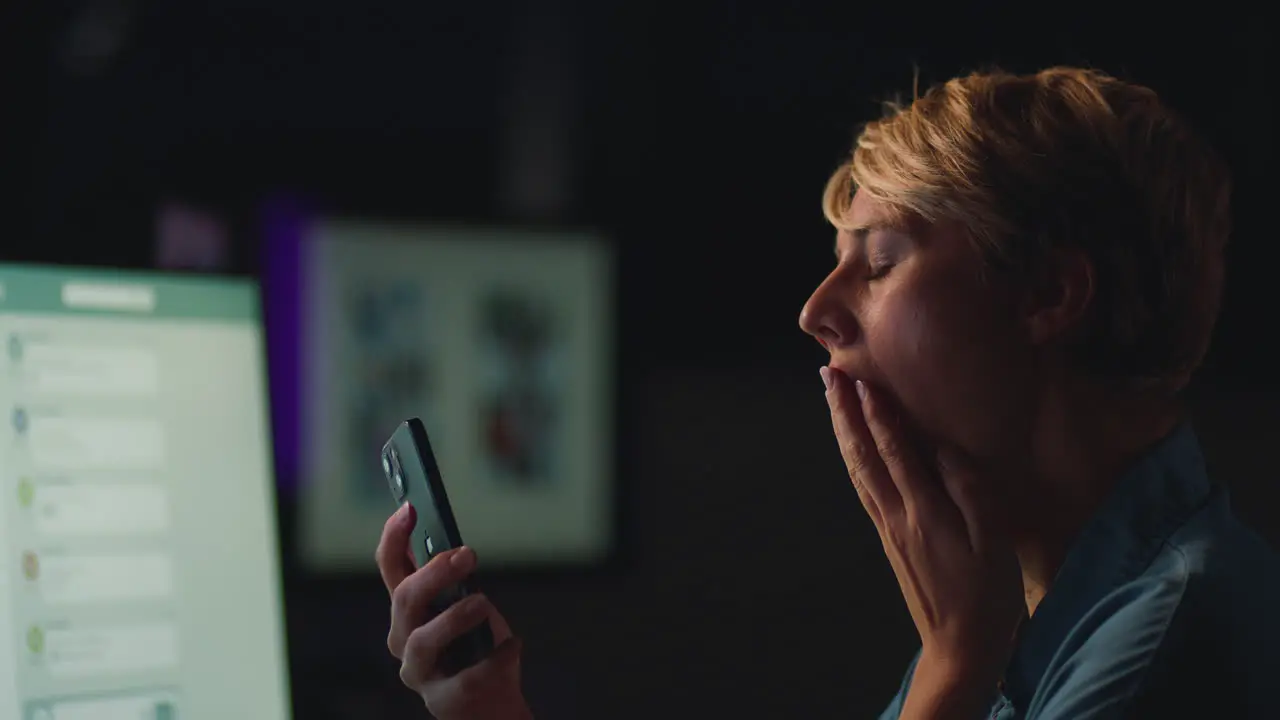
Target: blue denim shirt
(1165, 607)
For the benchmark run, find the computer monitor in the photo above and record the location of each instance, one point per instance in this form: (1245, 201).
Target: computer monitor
(139, 569)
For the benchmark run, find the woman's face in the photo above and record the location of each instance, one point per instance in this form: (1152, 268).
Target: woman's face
(907, 309)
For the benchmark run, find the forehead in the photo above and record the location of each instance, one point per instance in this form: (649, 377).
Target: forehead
(866, 214)
(867, 211)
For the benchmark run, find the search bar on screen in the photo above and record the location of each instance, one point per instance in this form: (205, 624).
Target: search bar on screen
(134, 298)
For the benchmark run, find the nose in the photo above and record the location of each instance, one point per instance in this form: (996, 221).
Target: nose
(827, 315)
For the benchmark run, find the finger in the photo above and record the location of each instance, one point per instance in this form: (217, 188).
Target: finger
(411, 601)
(499, 625)
(975, 499)
(459, 692)
(505, 654)
(425, 645)
(912, 478)
(868, 473)
(504, 659)
(392, 563)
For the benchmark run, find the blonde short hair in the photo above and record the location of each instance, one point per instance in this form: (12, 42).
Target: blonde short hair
(1067, 158)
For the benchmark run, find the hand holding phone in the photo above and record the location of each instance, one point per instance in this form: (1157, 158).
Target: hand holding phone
(441, 631)
(489, 690)
(414, 477)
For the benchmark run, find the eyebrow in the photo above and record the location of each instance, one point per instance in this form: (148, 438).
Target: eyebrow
(861, 232)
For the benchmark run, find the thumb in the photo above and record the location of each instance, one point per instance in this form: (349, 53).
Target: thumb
(504, 658)
(506, 654)
(499, 626)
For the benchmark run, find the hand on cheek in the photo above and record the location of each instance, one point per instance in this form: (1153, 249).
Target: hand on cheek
(942, 536)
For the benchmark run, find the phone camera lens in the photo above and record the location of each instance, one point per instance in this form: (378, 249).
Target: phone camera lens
(394, 470)
(386, 464)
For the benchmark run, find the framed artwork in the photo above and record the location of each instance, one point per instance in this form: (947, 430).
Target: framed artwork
(501, 342)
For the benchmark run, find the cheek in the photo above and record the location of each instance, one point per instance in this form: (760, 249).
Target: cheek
(952, 361)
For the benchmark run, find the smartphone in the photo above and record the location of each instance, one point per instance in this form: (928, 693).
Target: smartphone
(414, 476)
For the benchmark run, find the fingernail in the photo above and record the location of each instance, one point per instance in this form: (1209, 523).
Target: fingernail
(825, 372)
(406, 514)
(862, 390)
(463, 560)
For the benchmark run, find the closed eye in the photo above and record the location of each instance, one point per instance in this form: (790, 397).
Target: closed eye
(878, 271)
(879, 263)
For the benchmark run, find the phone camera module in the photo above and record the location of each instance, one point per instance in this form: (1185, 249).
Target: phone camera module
(397, 474)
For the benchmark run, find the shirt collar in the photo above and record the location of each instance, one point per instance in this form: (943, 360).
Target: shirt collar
(1148, 504)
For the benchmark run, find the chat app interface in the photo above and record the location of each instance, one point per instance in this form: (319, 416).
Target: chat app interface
(139, 571)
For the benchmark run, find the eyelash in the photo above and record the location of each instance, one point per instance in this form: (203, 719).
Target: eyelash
(875, 273)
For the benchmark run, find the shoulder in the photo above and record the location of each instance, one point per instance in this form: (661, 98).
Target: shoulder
(1197, 628)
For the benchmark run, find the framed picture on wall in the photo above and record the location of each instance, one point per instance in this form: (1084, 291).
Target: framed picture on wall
(502, 342)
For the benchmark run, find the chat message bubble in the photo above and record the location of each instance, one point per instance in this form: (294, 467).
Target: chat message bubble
(66, 579)
(76, 652)
(138, 706)
(82, 509)
(58, 368)
(60, 442)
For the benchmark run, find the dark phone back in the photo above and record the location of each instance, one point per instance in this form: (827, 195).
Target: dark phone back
(414, 476)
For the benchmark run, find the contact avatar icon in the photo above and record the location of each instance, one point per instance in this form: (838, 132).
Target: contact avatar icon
(30, 565)
(35, 640)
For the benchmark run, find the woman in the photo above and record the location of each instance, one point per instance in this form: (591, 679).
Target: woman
(1028, 271)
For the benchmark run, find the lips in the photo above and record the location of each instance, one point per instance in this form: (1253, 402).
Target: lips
(914, 434)
(849, 372)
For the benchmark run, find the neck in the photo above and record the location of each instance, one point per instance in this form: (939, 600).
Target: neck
(1086, 441)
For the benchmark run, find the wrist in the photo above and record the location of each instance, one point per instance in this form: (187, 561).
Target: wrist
(946, 690)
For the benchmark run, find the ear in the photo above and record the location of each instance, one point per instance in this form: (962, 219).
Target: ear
(1059, 296)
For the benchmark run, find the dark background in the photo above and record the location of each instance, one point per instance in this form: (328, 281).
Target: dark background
(699, 138)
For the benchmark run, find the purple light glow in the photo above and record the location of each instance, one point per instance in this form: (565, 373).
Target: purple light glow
(286, 222)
